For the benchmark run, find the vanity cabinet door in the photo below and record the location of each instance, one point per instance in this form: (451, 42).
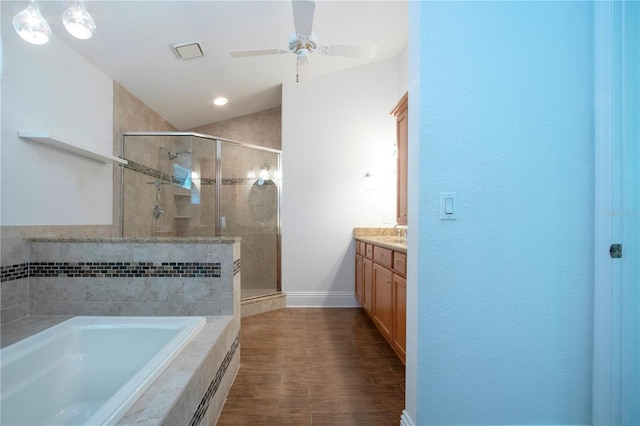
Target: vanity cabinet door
(400, 316)
(367, 285)
(359, 279)
(383, 300)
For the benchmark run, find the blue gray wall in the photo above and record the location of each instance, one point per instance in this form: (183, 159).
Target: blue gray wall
(504, 293)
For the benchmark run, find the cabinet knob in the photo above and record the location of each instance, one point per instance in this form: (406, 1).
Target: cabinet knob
(388, 281)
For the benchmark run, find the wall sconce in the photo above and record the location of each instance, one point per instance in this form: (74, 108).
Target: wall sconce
(33, 28)
(263, 177)
(264, 173)
(369, 181)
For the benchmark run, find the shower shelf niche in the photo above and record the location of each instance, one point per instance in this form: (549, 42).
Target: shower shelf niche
(53, 141)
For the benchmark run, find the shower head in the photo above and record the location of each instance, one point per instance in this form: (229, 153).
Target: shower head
(173, 155)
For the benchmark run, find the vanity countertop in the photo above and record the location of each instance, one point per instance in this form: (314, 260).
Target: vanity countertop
(383, 237)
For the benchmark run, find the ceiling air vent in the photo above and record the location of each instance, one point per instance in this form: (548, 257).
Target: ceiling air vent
(188, 50)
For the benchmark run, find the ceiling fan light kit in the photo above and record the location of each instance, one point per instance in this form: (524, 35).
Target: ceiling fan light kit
(303, 42)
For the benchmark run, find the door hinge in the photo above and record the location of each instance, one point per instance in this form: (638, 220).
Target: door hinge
(615, 251)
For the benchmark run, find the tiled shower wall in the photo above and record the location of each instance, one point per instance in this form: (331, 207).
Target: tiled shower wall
(187, 212)
(124, 278)
(129, 114)
(263, 128)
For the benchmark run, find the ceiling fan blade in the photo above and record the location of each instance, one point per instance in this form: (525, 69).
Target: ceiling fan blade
(260, 52)
(303, 16)
(350, 50)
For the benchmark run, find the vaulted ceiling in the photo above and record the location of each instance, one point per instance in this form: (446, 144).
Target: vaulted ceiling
(133, 45)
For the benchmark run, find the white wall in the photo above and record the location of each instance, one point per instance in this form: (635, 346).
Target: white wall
(51, 88)
(504, 293)
(335, 129)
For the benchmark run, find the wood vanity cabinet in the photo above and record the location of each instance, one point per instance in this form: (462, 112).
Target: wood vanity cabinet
(359, 279)
(367, 284)
(381, 288)
(401, 112)
(400, 318)
(383, 300)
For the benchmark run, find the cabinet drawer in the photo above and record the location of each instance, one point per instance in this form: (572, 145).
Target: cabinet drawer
(400, 263)
(383, 256)
(360, 248)
(369, 251)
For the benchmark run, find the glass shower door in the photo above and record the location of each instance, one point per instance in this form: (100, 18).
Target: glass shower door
(248, 207)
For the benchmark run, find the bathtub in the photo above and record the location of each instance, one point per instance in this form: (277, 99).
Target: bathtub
(88, 370)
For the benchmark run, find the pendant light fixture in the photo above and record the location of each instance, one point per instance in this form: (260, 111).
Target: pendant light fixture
(78, 22)
(31, 25)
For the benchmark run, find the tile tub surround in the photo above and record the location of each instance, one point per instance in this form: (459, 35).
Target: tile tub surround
(14, 261)
(132, 276)
(191, 390)
(126, 276)
(28, 326)
(194, 387)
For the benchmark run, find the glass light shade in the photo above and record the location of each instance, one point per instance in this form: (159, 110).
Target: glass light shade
(31, 25)
(264, 174)
(251, 174)
(78, 22)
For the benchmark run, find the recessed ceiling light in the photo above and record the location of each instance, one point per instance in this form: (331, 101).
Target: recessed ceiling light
(220, 101)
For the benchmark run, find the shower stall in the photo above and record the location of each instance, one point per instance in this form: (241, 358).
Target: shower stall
(194, 185)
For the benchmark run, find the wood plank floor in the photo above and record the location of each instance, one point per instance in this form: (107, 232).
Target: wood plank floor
(310, 366)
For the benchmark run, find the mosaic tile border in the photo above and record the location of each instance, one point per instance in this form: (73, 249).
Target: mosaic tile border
(14, 272)
(157, 174)
(125, 269)
(215, 383)
(112, 270)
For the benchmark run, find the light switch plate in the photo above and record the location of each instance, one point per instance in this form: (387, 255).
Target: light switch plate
(448, 206)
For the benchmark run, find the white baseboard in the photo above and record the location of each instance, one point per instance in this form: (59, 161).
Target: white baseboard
(321, 299)
(405, 420)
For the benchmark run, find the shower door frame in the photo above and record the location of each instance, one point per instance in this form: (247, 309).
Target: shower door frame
(217, 154)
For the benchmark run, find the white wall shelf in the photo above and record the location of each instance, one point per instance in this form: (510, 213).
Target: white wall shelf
(48, 139)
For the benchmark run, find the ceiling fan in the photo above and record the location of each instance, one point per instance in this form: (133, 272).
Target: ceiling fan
(303, 42)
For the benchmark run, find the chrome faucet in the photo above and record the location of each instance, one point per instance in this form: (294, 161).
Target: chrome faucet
(399, 230)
